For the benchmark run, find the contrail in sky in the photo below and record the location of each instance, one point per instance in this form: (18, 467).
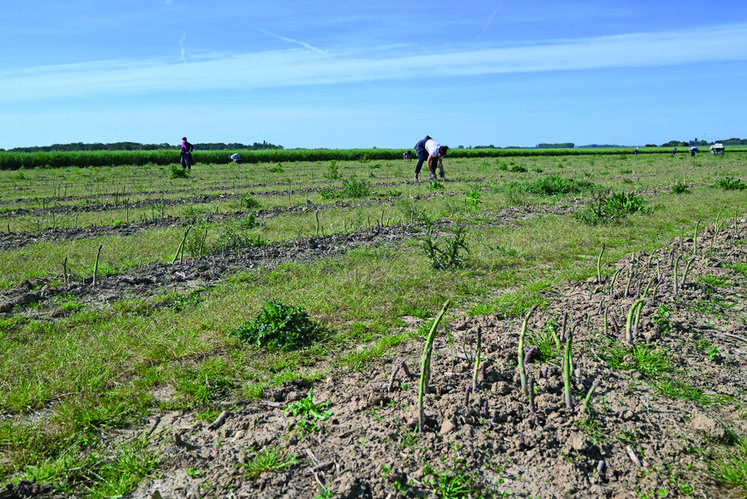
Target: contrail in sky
(291, 40)
(181, 44)
(484, 28)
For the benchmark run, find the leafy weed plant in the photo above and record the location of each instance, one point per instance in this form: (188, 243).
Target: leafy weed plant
(178, 172)
(445, 253)
(279, 327)
(680, 187)
(611, 207)
(730, 184)
(309, 411)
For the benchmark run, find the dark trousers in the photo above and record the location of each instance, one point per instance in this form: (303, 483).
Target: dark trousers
(422, 156)
(186, 160)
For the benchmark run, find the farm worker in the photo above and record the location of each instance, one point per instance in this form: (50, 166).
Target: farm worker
(236, 157)
(674, 151)
(186, 155)
(636, 151)
(422, 155)
(436, 153)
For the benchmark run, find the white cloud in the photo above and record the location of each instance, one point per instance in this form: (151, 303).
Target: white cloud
(313, 66)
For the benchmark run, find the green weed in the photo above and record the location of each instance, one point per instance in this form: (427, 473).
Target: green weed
(267, 459)
(279, 327)
(730, 184)
(178, 172)
(445, 253)
(611, 207)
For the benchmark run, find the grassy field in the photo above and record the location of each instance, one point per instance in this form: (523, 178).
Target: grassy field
(530, 224)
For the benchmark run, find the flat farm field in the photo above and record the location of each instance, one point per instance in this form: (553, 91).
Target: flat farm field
(533, 326)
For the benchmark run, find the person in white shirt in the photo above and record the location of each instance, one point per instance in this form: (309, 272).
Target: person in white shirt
(436, 153)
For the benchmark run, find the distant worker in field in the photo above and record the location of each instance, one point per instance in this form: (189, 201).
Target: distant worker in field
(186, 155)
(636, 151)
(432, 154)
(422, 155)
(236, 157)
(674, 151)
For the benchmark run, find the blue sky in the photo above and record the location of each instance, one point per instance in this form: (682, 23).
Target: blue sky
(365, 74)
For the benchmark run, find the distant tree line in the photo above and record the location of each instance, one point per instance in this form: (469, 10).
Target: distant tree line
(695, 142)
(134, 146)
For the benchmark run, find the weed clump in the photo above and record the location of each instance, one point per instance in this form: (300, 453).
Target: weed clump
(554, 185)
(178, 172)
(611, 207)
(445, 253)
(279, 327)
(680, 188)
(730, 184)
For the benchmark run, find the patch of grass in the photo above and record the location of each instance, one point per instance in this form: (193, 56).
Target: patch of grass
(235, 238)
(647, 360)
(680, 390)
(738, 267)
(204, 388)
(715, 281)
(552, 185)
(451, 483)
(729, 465)
(547, 341)
(96, 473)
(267, 459)
(680, 187)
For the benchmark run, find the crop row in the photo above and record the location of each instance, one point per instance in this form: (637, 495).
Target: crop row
(59, 159)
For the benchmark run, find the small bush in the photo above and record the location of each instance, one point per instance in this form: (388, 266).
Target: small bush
(249, 221)
(178, 172)
(611, 207)
(353, 188)
(249, 202)
(279, 327)
(446, 253)
(233, 239)
(333, 171)
(730, 184)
